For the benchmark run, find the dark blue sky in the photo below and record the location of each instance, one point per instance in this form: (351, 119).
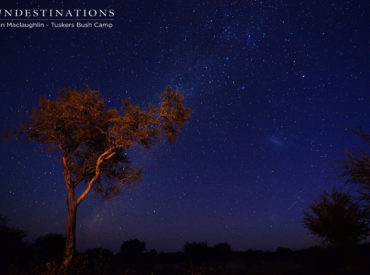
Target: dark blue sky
(275, 87)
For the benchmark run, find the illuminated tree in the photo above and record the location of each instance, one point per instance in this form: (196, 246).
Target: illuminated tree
(92, 141)
(336, 219)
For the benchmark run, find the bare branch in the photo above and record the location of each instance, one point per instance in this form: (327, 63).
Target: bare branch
(97, 173)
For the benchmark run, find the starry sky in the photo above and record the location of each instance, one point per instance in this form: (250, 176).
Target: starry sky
(275, 87)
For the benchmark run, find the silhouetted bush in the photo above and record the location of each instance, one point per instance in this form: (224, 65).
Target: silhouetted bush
(131, 253)
(13, 251)
(221, 250)
(197, 252)
(336, 219)
(49, 247)
(100, 261)
(132, 247)
(283, 251)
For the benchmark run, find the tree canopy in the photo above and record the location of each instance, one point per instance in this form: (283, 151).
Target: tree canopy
(336, 220)
(93, 138)
(356, 169)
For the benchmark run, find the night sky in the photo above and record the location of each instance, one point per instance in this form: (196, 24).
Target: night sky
(275, 87)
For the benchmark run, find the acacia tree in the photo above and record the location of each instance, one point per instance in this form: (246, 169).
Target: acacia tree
(356, 170)
(336, 219)
(92, 141)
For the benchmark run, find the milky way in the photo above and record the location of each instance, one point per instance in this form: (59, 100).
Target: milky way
(275, 87)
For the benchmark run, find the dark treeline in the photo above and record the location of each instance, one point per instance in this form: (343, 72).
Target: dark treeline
(18, 257)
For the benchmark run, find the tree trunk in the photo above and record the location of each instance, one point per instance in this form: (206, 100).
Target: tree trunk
(70, 242)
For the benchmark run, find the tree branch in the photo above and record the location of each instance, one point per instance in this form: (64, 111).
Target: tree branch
(106, 155)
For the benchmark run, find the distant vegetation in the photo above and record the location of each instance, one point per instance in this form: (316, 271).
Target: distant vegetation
(134, 258)
(341, 218)
(337, 220)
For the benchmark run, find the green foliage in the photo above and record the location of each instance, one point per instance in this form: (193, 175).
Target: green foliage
(336, 220)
